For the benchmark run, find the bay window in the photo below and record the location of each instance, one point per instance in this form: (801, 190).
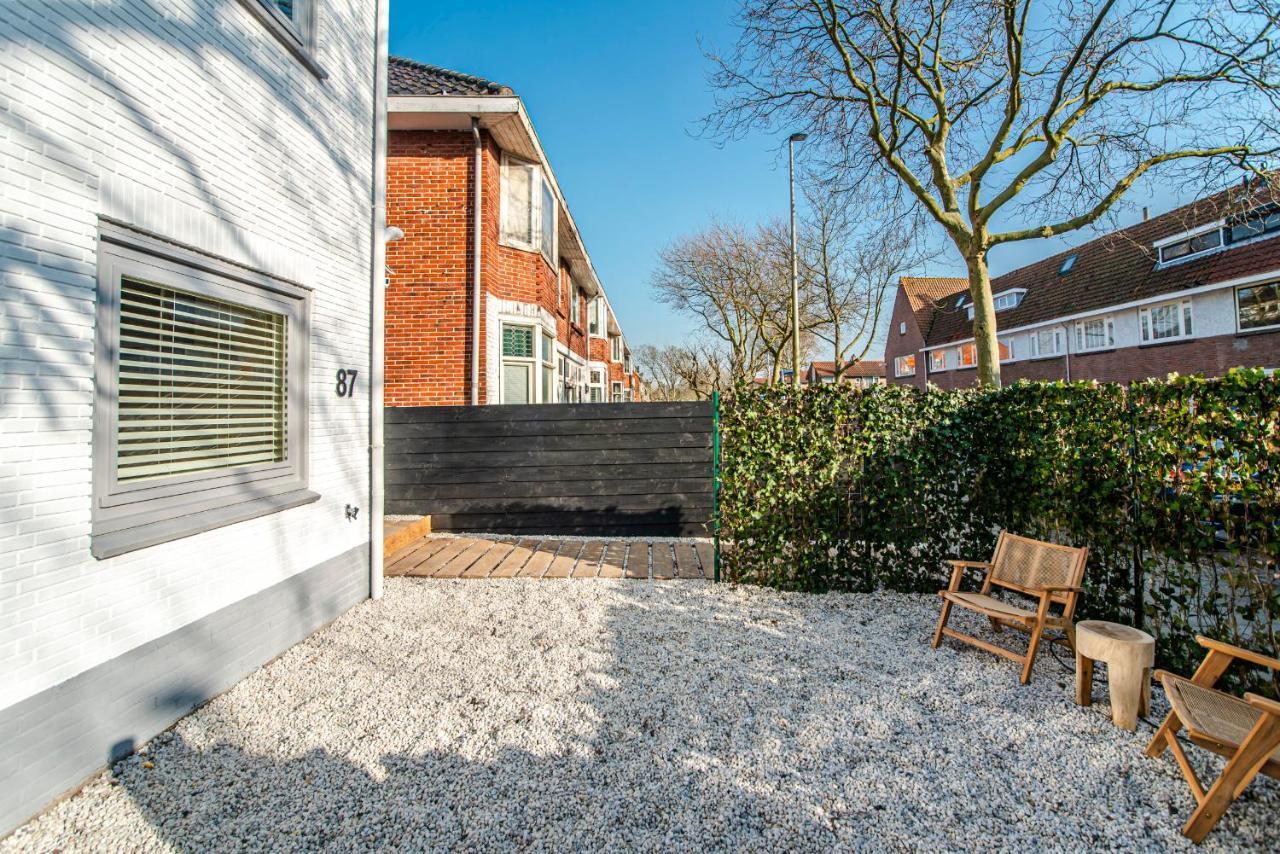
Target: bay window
(1165, 322)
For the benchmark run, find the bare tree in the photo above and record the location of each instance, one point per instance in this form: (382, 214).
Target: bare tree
(1005, 122)
(682, 371)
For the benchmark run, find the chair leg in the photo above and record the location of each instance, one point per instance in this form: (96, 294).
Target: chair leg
(1034, 646)
(942, 623)
(1071, 636)
(1168, 730)
(995, 625)
(1240, 771)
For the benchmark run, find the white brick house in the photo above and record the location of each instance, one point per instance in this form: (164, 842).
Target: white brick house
(187, 194)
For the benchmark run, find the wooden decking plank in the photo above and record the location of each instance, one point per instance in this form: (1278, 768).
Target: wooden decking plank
(687, 564)
(440, 559)
(488, 561)
(403, 561)
(637, 565)
(515, 559)
(660, 555)
(589, 560)
(540, 559)
(562, 564)
(463, 560)
(612, 559)
(706, 557)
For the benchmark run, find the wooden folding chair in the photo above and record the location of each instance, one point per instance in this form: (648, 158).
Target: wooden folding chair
(1246, 731)
(1047, 572)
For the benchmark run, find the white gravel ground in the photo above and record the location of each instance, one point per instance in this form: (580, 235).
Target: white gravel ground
(542, 715)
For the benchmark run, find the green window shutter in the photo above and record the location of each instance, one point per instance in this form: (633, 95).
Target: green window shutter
(202, 384)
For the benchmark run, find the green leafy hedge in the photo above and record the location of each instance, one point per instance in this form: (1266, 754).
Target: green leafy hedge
(1173, 485)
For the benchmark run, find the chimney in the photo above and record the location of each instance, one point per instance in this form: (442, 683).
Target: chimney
(1146, 213)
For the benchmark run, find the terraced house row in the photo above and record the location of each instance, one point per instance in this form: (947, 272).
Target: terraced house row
(491, 295)
(1193, 291)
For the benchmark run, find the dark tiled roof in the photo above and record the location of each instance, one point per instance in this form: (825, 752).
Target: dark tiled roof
(861, 368)
(406, 77)
(927, 293)
(1119, 267)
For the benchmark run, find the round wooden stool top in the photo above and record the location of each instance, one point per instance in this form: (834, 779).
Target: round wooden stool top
(1103, 641)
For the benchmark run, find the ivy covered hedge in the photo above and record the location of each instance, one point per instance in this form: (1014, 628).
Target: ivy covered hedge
(1173, 485)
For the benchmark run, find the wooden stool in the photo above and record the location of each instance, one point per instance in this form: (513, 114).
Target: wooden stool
(1130, 654)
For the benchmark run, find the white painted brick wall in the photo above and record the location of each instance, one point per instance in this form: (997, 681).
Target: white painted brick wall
(189, 119)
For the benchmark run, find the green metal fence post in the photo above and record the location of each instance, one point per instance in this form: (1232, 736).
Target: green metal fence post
(715, 479)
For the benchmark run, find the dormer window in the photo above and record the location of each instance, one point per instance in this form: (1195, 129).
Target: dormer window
(1009, 299)
(1254, 224)
(1192, 245)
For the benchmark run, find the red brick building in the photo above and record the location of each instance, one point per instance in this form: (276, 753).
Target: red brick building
(1194, 291)
(530, 322)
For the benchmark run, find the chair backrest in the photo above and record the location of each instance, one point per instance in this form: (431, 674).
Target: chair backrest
(1021, 562)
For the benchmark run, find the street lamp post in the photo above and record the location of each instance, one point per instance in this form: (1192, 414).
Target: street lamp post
(795, 280)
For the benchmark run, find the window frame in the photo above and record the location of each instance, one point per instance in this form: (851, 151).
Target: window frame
(969, 348)
(1108, 325)
(937, 361)
(1034, 343)
(1186, 322)
(1240, 329)
(1015, 294)
(134, 515)
(899, 361)
(299, 37)
(615, 391)
(540, 191)
(532, 362)
(575, 305)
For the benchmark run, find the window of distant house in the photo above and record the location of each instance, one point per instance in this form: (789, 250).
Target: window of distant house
(1097, 333)
(1165, 322)
(968, 356)
(938, 360)
(617, 392)
(1255, 224)
(1046, 342)
(1006, 348)
(615, 345)
(201, 393)
(905, 366)
(575, 310)
(594, 312)
(563, 281)
(548, 353)
(902, 327)
(626, 362)
(517, 364)
(528, 208)
(1008, 299)
(1258, 306)
(1193, 245)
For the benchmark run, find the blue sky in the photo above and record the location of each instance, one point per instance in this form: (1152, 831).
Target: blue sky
(615, 90)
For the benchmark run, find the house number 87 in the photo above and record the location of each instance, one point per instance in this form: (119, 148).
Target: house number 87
(346, 383)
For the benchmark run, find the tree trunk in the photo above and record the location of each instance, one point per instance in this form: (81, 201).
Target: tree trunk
(984, 320)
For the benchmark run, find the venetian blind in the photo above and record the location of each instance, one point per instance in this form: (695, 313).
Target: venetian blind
(202, 384)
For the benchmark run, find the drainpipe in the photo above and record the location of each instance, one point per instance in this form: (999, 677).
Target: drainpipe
(377, 296)
(476, 241)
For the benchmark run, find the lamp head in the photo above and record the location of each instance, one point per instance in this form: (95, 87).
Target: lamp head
(799, 137)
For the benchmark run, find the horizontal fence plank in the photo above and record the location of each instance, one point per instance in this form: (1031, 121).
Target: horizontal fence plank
(546, 412)
(539, 489)
(484, 475)
(621, 441)
(585, 469)
(576, 427)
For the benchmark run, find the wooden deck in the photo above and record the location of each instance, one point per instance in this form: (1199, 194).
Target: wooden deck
(550, 557)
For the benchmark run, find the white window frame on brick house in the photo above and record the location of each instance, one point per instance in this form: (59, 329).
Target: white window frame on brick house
(626, 362)
(616, 389)
(528, 220)
(596, 385)
(1085, 328)
(937, 360)
(904, 366)
(527, 364)
(188, 328)
(967, 356)
(575, 305)
(1179, 310)
(615, 348)
(1272, 319)
(1038, 349)
(547, 378)
(1009, 345)
(594, 309)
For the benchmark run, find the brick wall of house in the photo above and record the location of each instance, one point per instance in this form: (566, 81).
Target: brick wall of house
(902, 344)
(1211, 356)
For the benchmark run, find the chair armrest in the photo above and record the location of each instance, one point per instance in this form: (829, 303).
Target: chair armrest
(1271, 707)
(1062, 588)
(1236, 652)
(959, 566)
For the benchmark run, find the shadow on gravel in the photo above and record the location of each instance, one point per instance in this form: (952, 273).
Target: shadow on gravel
(688, 717)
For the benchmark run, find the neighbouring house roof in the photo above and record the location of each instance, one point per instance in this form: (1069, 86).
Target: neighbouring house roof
(407, 77)
(1119, 268)
(926, 294)
(861, 368)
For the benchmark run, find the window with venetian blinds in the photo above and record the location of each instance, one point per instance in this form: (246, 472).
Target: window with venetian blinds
(202, 384)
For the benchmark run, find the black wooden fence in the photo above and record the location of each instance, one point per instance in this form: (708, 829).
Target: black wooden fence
(601, 469)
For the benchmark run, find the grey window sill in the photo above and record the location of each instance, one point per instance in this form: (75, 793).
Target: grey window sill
(132, 539)
(285, 36)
